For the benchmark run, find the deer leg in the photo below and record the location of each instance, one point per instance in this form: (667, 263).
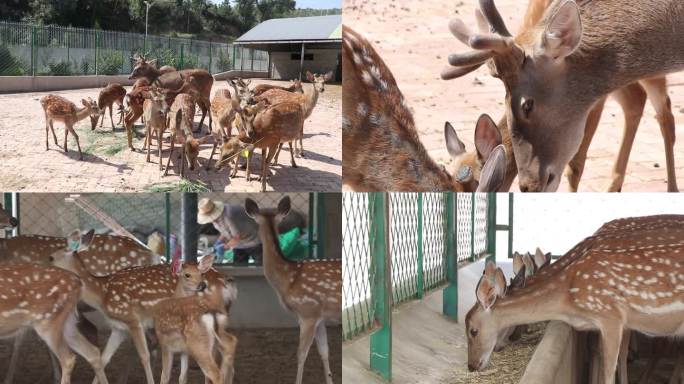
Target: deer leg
(115, 339)
(213, 150)
(66, 133)
(575, 168)
(202, 353)
(182, 160)
(228, 344)
(78, 144)
(248, 168)
(307, 328)
(656, 89)
(275, 160)
(265, 166)
(611, 338)
(622, 357)
(292, 157)
(51, 332)
(111, 119)
(138, 335)
(632, 99)
(167, 365)
(47, 128)
(159, 147)
(168, 162)
(322, 344)
(83, 347)
(148, 142)
(301, 142)
(16, 345)
(183, 376)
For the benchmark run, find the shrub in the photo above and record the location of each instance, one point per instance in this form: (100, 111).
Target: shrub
(59, 68)
(9, 65)
(111, 63)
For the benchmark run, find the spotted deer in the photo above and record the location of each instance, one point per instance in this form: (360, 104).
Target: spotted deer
(155, 109)
(381, 150)
(562, 58)
(112, 93)
(181, 114)
(57, 108)
(307, 100)
(609, 282)
(312, 290)
(632, 99)
(193, 325)
(44, 298)
(296, 86)
(126, 298)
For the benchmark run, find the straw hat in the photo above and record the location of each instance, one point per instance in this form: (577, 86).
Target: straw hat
(208, 210)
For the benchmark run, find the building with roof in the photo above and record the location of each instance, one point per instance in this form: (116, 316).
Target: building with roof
(289, 47)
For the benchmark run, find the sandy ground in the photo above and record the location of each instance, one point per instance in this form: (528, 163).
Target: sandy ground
(267, 356)
(414, 40)
(109, 166)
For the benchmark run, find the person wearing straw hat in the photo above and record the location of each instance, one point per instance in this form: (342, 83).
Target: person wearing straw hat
(237, 229)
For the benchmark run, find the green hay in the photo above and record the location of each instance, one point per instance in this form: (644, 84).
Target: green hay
(180, 186)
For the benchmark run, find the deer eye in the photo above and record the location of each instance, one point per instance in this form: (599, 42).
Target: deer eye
(527, 106)
(473, 332)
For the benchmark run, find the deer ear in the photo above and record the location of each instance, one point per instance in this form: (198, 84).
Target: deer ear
(309, 76)
(492, 284)
(518, 264)
(235, 104)
(529, 265)
(84, 102)
(454, 145)
(564, 31)
(251, 207)
(284, 206)
(493, 171)
(519, 280)
(205, 263)
(487, 137)
(328, 76)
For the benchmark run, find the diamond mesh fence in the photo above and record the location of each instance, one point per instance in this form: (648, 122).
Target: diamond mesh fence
(29, 50)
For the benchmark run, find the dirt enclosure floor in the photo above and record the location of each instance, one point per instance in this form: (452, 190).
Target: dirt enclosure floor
(414, 40)
(267, 356)
(109, 166)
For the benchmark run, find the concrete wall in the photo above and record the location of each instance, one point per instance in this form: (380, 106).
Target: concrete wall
(284, 68)
(14, 84)
(243, 74)
(554, 359)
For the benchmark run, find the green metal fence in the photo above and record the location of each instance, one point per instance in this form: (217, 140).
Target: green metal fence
(31, 50)
(398, 246)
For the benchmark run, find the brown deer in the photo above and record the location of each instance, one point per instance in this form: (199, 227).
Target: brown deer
(381, 150)
(566, 53)
(127, 297)
(155, 109)
(307, 100)
(167, 68)
(631, 98)
(199, 79)
(312, 290)
(192, 325)
(609, 282)
(57, 108)
(296, 86)
(44, 298)
(181, 113)
(112, 93)
(280, 123)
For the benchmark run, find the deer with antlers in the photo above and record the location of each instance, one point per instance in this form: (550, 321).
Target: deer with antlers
(609, 282)
(127, 297)
(112, 93)
(561, 59)
(193, 325)
(632, 99)
(57, 108)
(198, 79)
(381, 150)
(312, 290)
(296, 86)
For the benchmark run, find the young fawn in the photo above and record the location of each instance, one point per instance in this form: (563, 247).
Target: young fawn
(181, 114)
(155, 110)
(381, 150)
(312, 290)
(57, 108)
(610, 282)
(127, 298)
(44, 298)
(565, 52)
(194, 324)
(112, 93)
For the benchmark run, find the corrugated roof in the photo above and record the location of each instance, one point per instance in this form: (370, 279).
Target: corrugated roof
(296, 28)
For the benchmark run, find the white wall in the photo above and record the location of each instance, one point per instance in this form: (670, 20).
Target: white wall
(283, 67)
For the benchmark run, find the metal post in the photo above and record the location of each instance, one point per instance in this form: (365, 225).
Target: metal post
(97, 50)
(381, 262)
(167, 206)
(209, 55)
(491, 226)
(510, 225)
(472, 227)
(67, 44)
(33, 50)
(234, 51)
(251, 63)
(181, 57)
(7, 205)
(419, 276)
(268, 68)
(312, 210)
(301, 62)
(189, 228)
(450, 293)
(320, 225)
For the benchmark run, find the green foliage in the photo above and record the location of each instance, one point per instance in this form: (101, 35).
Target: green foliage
(110, 63)
(86, 67)
(165, 56)
(59, 68)
(9, 65)
(223, 62)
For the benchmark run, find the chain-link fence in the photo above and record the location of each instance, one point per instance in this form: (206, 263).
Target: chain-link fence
(311, 234)
(31, 50)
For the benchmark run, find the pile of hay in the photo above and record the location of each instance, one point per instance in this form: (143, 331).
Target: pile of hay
(507, 366)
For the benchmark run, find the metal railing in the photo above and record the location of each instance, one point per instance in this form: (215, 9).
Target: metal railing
(397, 247)
(32, 50)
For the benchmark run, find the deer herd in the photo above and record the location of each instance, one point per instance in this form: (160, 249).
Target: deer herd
(558, 70)
(266, 116)
(183, 306)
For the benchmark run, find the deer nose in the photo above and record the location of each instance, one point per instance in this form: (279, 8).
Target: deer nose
(13, 222)
(471, 367)
(201, 286)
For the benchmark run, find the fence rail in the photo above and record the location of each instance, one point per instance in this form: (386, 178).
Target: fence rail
(30, 50)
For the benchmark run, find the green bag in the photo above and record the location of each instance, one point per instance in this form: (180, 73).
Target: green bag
(294, 246)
